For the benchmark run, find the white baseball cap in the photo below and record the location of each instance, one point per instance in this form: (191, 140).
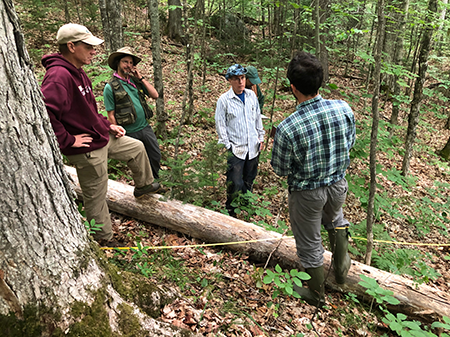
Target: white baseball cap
(74, 32)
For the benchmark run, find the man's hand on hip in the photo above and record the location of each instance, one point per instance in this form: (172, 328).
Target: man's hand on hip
(83, 140)
(117, 130)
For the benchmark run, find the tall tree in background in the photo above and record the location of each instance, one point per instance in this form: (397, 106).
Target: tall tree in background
(191, 37)
(53, 279)
(161, 116)
(374, 133)
(402, 15)
(174, 25)
(418, 87)
(321, 35)
(111, 13)
(441, 30)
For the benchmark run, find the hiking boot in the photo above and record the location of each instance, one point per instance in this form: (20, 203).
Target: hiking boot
(339, 248)
(109, 243)
(149, 189)
(315, 293)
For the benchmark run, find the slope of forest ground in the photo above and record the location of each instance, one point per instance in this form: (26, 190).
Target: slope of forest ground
(221, 293)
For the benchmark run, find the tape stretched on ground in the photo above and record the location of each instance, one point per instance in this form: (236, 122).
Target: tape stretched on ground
(273, 239)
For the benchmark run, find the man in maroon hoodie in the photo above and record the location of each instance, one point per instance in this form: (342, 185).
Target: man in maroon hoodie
(85, 136)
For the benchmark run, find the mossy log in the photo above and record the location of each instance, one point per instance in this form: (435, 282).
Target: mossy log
(209, 226)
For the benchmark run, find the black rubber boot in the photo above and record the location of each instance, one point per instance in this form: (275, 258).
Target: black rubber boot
(314, 294)
(341, 259)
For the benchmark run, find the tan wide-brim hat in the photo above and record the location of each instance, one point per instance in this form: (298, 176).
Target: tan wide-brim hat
(73, 32)
(125, 51)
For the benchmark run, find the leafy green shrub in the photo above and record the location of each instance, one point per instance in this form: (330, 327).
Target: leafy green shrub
(405, 261)
(284, 281)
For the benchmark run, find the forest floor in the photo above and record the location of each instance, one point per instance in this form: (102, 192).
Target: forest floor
(220, 292)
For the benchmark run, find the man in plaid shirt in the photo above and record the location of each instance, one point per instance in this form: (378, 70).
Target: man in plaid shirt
(311, 148)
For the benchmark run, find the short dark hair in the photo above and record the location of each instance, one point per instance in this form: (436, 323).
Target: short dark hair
(63, 49)
(305, 73)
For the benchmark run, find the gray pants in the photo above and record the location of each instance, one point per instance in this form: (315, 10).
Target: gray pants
(308, 210)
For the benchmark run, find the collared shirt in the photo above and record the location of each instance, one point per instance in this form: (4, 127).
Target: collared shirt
(312, 145)
(238, 125)
(125, 80)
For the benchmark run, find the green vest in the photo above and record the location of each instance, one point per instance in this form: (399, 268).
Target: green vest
(124, 110)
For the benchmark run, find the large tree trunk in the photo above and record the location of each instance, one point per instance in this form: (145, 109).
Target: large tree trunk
(111, 13)
(418, 87)
(210, 226)
(174, 26)
(48, 265)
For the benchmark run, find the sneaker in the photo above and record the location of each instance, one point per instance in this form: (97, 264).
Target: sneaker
(149, 189)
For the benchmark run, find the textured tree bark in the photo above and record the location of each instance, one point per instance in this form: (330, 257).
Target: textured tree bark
(321, 13)
(47, 262)
(111, 13)
(161, 115)
(397, 41)
(209, 226)
(413, 118)
(374, 133)
(174, 26)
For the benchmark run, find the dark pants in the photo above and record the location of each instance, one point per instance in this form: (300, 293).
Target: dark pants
(240, 177)
(148, 137)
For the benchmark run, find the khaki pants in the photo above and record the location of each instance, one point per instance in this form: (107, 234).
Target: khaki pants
(92, 170)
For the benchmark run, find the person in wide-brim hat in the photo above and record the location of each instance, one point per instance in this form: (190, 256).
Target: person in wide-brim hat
(114, 58)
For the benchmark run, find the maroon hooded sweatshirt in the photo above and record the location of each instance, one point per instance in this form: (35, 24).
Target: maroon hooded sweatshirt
(71, 105)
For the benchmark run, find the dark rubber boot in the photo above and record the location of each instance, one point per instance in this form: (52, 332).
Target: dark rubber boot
(341, 259)
(314, 294)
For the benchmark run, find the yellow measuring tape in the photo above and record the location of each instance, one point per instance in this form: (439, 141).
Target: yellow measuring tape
(273, 239)
(406, 243)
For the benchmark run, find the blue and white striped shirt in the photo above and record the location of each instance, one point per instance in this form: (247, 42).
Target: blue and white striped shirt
(312, 145)
(239, 125)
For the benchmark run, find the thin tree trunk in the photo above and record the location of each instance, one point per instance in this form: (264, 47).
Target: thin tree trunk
(191, 33)
(263, 20)
(414, 61)
(206, 23)
(441, 25)
(418, 87)
(66, 11)
(396, 59)
(322, 13)
(47, 263)
(161, 116)
(374, 134)
(111, 13)
(317, 27)
(294, 31)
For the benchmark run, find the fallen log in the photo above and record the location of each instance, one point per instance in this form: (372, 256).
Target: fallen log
(415, 300)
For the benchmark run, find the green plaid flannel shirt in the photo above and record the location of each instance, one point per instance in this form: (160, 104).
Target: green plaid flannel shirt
(312, 145)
